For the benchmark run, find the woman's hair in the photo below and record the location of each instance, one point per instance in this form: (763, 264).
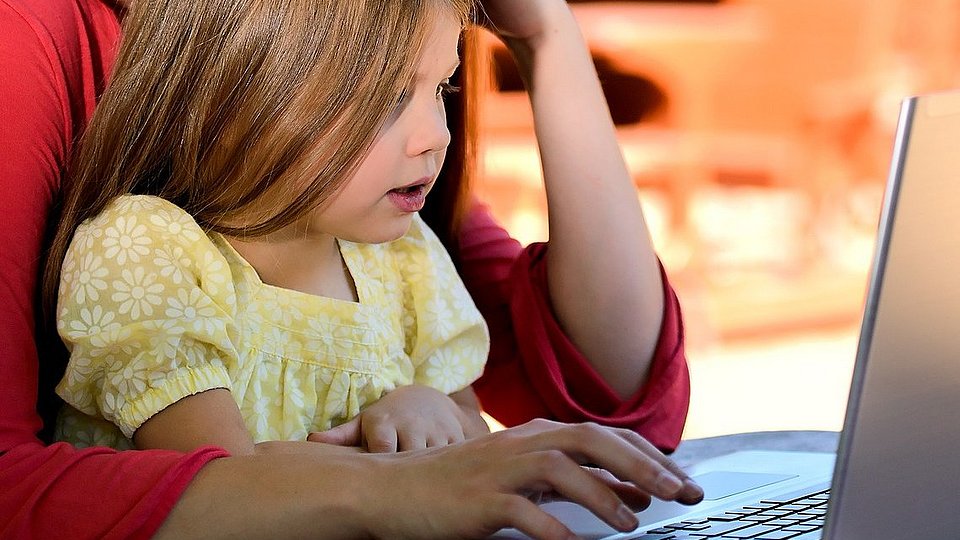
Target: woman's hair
(216, 104)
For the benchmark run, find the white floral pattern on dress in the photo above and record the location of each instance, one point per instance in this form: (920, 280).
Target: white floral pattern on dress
(154, 309)
(88, 278)
(137, 292)
(126, 240)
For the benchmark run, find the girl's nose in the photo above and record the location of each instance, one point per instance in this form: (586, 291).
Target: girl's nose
(429, 133)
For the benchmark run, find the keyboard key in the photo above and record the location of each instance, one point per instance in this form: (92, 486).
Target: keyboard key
(750, 532)
(775, 512)
(783, 522)
(726, 517)
(684, 526)
(804, 527)
(796, 506)
(777, 535)
(812, 535)
(718, 528)
(760, 506)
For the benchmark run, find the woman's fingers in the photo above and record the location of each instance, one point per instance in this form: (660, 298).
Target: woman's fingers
(640, 464)
(425, 491)
(521, 514)
(690, 493)
(569, 480)
(631, 495)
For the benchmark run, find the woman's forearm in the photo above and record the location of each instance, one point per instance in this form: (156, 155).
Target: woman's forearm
(604, 280)
(465, 490)
(272, 496)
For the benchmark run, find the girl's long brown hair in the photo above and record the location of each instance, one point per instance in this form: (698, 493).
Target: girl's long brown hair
(215, 104)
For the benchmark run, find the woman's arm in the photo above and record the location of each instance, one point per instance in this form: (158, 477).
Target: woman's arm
(468, 490)
(534, 370)
(604, 280)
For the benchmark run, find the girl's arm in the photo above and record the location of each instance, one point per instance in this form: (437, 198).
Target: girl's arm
(212, 418)
(604, 280)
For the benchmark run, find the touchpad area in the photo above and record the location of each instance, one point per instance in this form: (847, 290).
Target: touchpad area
(720, 484)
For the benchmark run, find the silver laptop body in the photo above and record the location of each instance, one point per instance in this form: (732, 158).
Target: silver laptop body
(896, 474)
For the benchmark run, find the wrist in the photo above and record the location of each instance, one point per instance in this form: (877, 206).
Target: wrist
(554, 20)
(374, 500)
(560, 37)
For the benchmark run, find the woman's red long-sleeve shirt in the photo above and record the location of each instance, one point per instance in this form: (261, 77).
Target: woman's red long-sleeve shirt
(54, 58)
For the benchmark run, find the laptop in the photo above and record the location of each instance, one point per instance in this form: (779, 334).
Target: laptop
(896, 473)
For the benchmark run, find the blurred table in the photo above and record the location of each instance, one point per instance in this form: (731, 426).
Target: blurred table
(694, 450)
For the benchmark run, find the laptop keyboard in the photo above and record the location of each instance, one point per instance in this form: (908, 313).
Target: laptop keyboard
(793, 517)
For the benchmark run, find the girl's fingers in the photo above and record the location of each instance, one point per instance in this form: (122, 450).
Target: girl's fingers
(380, 438)
(413, 440)
(346, 434)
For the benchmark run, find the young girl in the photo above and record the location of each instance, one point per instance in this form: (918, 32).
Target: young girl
(246, 262)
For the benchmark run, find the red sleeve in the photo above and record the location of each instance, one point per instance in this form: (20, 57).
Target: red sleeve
(534, 370)
(46, 89)
(33, 128)
(59, 491)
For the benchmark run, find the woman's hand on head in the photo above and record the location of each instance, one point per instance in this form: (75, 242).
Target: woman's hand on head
(523, 20)
(411, 417)
(473, 489)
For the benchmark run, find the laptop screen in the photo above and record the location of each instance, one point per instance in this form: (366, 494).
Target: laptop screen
(897, 473)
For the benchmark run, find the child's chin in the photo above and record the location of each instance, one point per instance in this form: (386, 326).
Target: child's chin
(391, 231)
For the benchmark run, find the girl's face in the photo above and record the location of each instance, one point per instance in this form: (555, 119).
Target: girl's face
(378, 202)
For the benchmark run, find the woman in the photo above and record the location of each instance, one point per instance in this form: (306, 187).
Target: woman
(55, 58)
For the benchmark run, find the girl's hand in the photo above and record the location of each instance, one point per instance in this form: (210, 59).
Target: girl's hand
(411, 417)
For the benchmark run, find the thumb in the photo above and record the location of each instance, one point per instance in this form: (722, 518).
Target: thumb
(346, 434)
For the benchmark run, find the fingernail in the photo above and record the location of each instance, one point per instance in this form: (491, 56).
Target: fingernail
(668, 484)
(626, 518)
(696, 489)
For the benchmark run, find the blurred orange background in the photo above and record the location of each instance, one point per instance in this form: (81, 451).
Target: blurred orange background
(758, 133)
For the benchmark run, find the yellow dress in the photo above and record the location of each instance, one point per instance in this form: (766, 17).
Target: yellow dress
(154, 309)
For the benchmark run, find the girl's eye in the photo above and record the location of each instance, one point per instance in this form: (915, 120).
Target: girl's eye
(445, 89)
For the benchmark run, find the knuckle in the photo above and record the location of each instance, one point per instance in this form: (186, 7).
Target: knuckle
(551, 461)
(512, 506)
(591, 429)
(541, 423)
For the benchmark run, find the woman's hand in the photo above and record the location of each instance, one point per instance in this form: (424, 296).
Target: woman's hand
(473, 489)
(520, 19)
(466, 490)
(411, 417)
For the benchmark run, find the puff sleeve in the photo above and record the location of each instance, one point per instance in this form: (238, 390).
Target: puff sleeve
(446, 335)
(146, 309)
